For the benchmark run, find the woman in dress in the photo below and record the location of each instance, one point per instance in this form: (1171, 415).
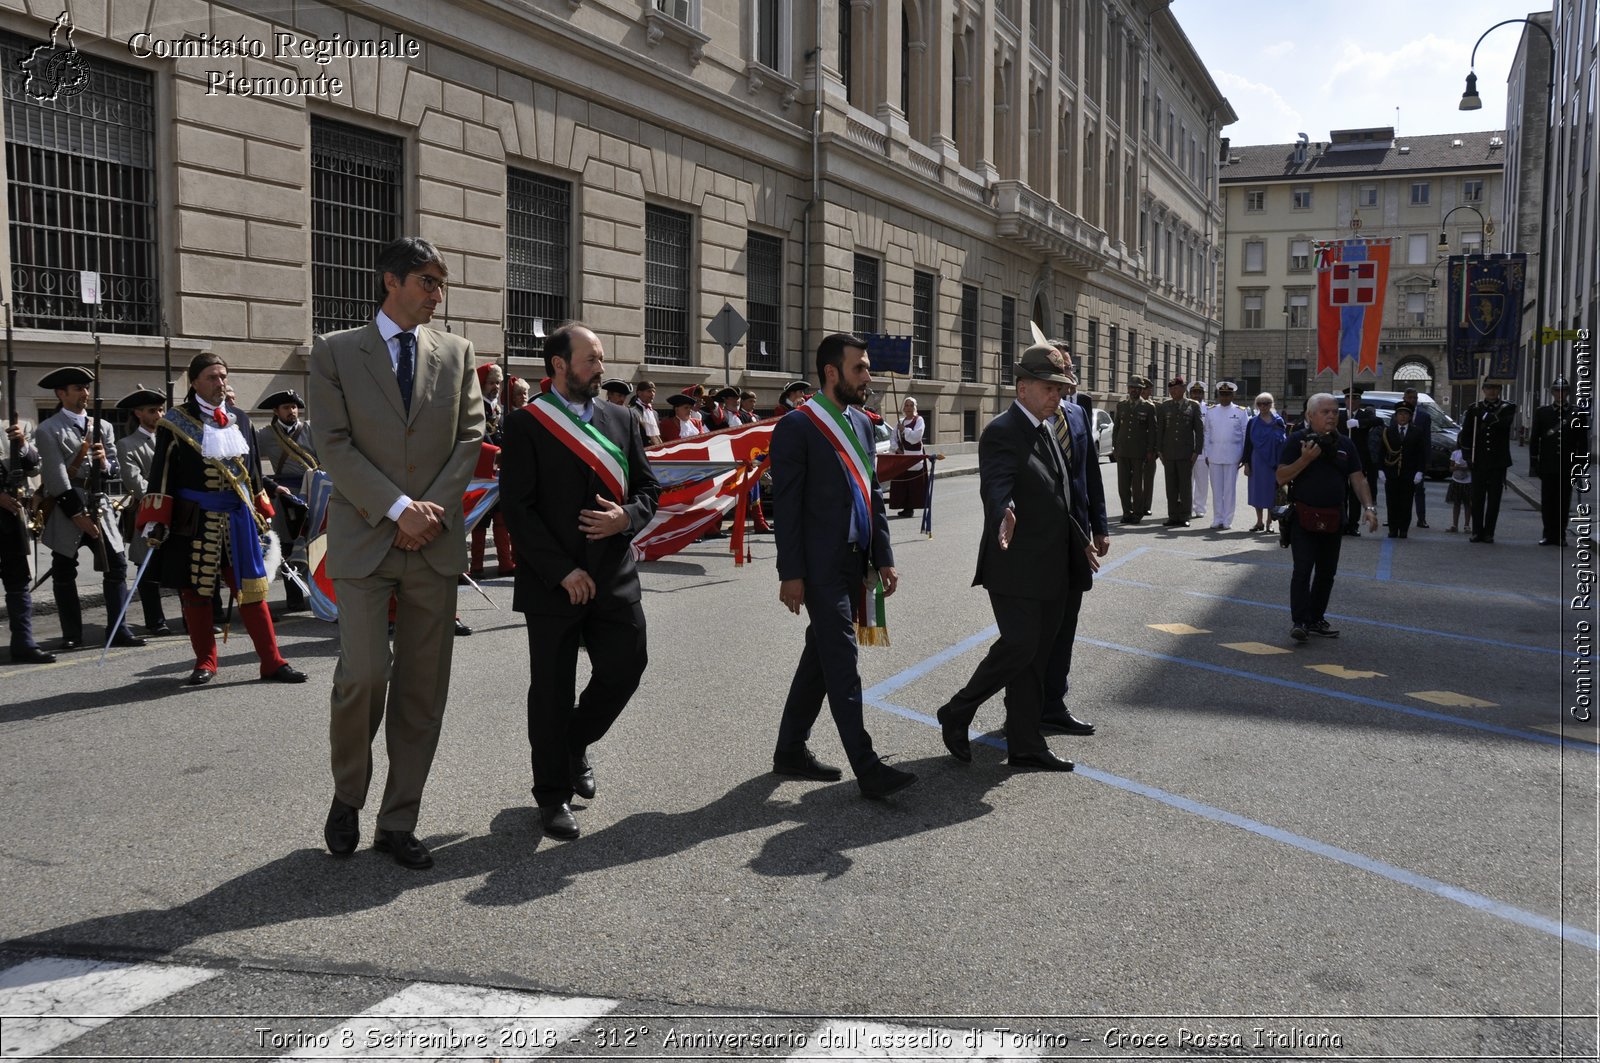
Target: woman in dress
(1263, 444)
(907, 493)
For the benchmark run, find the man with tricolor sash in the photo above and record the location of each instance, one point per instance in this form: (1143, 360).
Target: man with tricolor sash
(835, 561)
(575, 487)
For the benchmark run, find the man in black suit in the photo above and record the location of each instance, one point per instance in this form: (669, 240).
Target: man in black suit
(576, 488)
(1421, 422)
(1027, 524)
(833, 535)
(1556, 446)
(1485, 441)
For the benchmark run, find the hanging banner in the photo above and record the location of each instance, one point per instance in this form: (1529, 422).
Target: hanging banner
(1484, 304)
(1352, 279)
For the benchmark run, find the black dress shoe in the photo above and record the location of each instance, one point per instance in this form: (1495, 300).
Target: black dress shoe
(70, 643)
(404, 847)
(558, 821)
(1066, 722)
(1046, 761)
(31, 655)
(201, 676)
(462, 630)
(343, 829)
(583, 777)
(880, 780)
(158, 629)
(1422, 524)
(287, 674)
(1542, 542)
(803, 763)
(955, 737)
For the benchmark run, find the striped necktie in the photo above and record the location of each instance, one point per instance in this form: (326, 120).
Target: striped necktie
(1063, 436)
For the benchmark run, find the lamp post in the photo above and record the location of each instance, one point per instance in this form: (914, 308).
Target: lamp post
(1444, 226)
(1470, 101)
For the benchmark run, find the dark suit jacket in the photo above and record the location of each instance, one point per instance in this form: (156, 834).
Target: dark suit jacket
(1088, 492)
(1485, 437)
(1395, 457)
(813, 497)
(1015, 470)
(543, 485)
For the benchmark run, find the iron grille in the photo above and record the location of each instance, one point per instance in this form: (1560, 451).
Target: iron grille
(1111, 355)
(355, 210)
(666, 286)
(82, 195)
(969, 334)
(538, 257)
(1008, 339)
(866, 295)
(1090, 375)
(922, 326)
(764, 301)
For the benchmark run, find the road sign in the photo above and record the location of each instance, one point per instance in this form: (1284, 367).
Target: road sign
(1558, 335)
(728, 328)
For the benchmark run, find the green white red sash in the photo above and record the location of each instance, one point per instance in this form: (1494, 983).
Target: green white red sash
(586, 442)
(872, 628)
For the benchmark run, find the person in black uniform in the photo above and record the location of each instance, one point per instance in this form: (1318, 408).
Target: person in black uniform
(1319, 463)
(1402, 451)
(1485, 442)
(1421, 421)
(1560, 436)
(1358, 423)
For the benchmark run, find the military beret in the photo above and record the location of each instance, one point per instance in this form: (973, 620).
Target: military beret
(618, 386)
(66, 376)
(141, 396)
(281, 398)
(1175, 382)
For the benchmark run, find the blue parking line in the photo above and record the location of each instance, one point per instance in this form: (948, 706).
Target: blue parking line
(1476, 901)
(1385, 558)
(1409, 628)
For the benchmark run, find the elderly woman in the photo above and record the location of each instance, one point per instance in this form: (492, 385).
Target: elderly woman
(909, 492)
(1263, 446)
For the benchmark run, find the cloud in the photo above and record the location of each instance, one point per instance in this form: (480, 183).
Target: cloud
(1260, 108)
(1278, 49)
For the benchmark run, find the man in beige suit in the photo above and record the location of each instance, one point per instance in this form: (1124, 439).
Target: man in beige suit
(400, 422)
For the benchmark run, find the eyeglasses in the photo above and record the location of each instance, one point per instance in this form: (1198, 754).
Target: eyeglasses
(429, 282)
(1264, 405)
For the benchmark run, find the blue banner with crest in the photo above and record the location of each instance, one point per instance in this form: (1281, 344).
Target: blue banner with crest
(1485, 314)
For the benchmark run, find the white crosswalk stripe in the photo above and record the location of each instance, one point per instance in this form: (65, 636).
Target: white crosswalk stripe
(45, 1003)
(427, 1021)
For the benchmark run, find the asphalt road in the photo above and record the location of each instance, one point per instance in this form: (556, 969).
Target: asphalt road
(1382, 838)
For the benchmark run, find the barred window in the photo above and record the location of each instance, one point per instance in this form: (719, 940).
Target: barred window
(82, 194)
(538, 257)
(922, 326)
(1090, 376)
(1008, 338)
(866, 295)
(355, 210)
(969, 333)
(666, 286)
(1111, 354)
(764, 301)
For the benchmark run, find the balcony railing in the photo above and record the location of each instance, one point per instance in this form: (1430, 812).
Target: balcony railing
(1433, 334)
(1029, 218)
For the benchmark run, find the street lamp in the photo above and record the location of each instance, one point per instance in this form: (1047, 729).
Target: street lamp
(1444, 236)
(1471, 102)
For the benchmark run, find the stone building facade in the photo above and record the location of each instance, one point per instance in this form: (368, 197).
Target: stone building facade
(944, 171)
(1282, 199)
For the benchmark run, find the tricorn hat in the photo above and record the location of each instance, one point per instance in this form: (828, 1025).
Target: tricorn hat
(1043, 362)
(618, 386)
(141, 396)
(797, 385)
(281, 398)
(727, 393)
(680, 399)
(66, 376)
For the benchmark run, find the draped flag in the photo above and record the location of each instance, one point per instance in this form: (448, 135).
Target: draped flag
(702, 478)
(1485, 314)
(1352, 278)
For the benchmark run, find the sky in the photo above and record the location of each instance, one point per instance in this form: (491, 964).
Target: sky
(1312, 66)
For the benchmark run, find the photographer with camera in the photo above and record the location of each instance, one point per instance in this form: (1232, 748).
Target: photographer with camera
(1318, 462)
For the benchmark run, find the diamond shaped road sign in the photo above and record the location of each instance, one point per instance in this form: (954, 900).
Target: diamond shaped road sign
(728, 327)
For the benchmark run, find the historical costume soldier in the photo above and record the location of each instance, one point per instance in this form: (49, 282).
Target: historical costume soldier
(19, 459)
(1133, 448)
(1560, 437)
(643, 403)
(208, 508)
(135, 451)
(794, 395)
(77, 466)
(681, 425)
(287, 444)
(1180, 435)
(1402, 451)
(1485, 441)
(728, 403)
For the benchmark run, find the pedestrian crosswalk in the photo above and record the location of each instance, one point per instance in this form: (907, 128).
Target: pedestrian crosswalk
(71, 1008)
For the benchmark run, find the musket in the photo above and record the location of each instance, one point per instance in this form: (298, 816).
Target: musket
(16, 484)
(96, 485)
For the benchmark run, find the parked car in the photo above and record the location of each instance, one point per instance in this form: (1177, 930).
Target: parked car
(1445, 430)
(1103, 424)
